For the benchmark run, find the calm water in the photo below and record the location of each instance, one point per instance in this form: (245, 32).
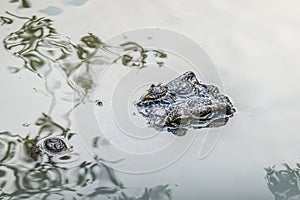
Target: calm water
(51, 66)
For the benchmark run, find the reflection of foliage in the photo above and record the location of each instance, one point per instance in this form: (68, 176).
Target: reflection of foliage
(45, 52)
(5, 20)
(8, 146)
(22, 175)
(135, 55)
(45, 179)
(91, 41)
(47, 127)
(34, 173)
(284, 183)
(35, 33)
(24, 3)
(26, 171)
(160, 192)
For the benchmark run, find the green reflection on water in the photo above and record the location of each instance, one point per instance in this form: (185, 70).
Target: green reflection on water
(23, 3)
(135, 55)
(5, 20)
(161, 192)
(27, 173)
(284, 183)
(26, 170)
(47, 53)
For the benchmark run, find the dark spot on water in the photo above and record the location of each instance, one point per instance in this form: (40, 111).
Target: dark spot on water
(2, 173)
(99, 103)
(95, 142)
(26, 124)
(160, 64)
(13, 70)
(65, 158)
(100, 142)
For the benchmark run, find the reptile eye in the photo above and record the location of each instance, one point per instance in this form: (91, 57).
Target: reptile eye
(54, 146)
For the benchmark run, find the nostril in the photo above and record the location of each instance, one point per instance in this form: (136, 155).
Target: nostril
(140, 104)
(229, 110)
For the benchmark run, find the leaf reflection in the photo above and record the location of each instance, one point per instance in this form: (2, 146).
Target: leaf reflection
(68, 69)
(284, 183)
(25, 171)
(23, 3)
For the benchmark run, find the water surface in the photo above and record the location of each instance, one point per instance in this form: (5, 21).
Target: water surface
(254, 45)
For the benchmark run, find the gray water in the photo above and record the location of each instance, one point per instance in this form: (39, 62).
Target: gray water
(253, 48)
